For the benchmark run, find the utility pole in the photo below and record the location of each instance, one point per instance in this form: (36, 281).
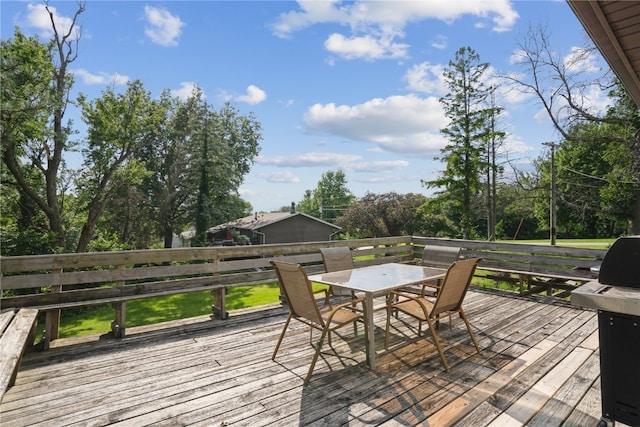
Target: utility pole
(552, 202)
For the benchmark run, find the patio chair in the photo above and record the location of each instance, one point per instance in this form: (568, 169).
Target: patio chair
(449, 301)
(438, 257)
(336, 259)
(296, 289)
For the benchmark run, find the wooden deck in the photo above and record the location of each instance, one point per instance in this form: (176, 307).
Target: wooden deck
(538, 367)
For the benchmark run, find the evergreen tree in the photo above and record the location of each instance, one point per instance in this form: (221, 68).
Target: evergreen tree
(465, 105)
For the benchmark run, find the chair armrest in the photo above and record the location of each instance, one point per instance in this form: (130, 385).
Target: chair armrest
(349, 304)
(432, 293)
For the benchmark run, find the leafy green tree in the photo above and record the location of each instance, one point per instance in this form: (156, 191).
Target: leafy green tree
(382, 215)
(329, 199)
(169, 159)
(465, 106)
(35, 93)
(437, 217)
(232, 141)
(595, 197)
(517, 218)
(561, 89)
(203, 167)
(235, 141)
(118, 126)
(24, 228)
(184, 162)
(493, 141)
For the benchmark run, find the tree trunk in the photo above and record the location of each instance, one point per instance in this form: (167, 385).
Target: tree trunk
(168, 237)
(635, 216)
(95, 210)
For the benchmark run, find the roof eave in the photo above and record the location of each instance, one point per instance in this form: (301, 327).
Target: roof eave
(596, 24)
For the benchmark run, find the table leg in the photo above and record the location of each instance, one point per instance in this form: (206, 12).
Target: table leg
(371, 344)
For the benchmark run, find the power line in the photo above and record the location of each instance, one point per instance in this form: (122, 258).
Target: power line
(595, 177)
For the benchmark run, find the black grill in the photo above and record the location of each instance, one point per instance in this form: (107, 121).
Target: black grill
(616, 295)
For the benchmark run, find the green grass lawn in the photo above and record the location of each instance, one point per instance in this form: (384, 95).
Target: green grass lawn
(97, 319)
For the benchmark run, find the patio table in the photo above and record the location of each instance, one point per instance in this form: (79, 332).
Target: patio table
(378, 280)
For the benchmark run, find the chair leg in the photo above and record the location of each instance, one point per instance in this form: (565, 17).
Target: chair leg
(390, 300)
(315, 356)
(355, 324)
(466, 322)
(437, 342)
(284, 329)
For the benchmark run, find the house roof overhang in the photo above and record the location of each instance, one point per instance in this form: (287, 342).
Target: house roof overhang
(614, 27)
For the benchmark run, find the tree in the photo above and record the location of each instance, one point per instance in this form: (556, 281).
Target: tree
(169, 159)
(437, 217)
(465, 106)
(382, 215)
(560, 87)
(177, 162)
(516, 202)
(203, 168)
(227, 143)
(493, 140)
(330, 198)
(595, 194)
(118, 126)
(35, 93)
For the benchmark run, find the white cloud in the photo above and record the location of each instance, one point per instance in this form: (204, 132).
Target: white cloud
(163, 28)
(286, 104)
(363, 15)
(101, 78)
(376, 25)
(378, 166)
(581, 60)
(254, 95)
(286, 177)
(366, 47)
(185, 91)
(311, 12)
(346, 162)
(440, 42)
(38, 18)
(309, 159)
(407, 124)
(427, 78)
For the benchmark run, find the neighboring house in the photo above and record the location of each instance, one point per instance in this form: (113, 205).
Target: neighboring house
(274, 227)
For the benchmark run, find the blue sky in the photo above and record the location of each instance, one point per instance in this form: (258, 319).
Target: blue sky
(336, 85)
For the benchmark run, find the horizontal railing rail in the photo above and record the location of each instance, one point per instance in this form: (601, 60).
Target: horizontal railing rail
(534, 268)
(53, 282)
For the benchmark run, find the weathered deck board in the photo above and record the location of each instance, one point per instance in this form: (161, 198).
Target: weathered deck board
(538, 366)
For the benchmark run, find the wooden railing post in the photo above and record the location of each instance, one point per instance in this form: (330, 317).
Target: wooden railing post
(219, 306)
(120, 311)
(52, 317)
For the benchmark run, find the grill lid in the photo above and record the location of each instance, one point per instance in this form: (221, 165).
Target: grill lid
(621, 264)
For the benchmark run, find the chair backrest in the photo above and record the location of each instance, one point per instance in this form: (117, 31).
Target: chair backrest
(296, 288)
(455, 286)
(439, 256)
(336, 259)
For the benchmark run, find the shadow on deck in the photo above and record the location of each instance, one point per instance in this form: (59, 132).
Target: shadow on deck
(538, 366)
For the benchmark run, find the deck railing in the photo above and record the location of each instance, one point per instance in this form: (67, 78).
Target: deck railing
(54, 282)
